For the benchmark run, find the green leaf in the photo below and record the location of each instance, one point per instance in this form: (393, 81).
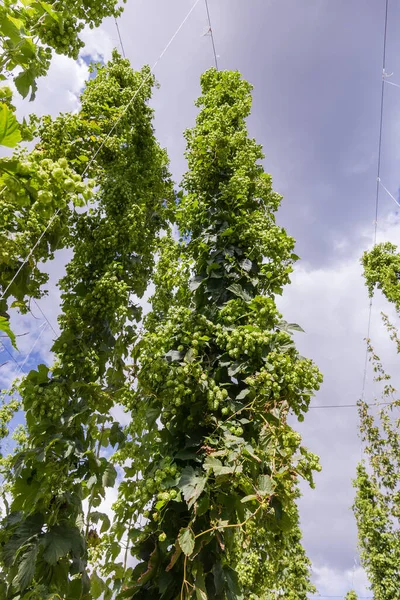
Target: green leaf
(192, 485)
(246, 264)
(25, 81)
(213, 464)
(189, 356)
(234, 589)
(174, 356)
(186, 541)
(203, 505)
(243, 394)
(248, 498)
(95, 517)
(175, 556)
(200, 584)
(10, 134)
(5, 327)
(60, 541)
(237, 289)
(219, 579)
(97, 585)
(266, 485)
(53, 14)
(11, 28)
(26, 568)
(109, 476)
(295, 327)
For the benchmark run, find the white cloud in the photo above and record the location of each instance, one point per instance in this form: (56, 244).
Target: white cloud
(331, 582)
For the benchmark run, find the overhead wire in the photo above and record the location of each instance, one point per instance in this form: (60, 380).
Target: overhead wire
(90, 162)
(120, 38)
(41, 330)
(45, 318)
(211, 32)
(378, 184)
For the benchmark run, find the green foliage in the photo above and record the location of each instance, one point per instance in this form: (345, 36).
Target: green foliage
(218, 372)
(9, 129)
(376, 504)
(209, 460)
(31, 30)
(382, 271)
(351, 596)
(69, 425)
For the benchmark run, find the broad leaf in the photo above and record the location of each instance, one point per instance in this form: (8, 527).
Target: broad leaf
(26, 568)
(97, 585)
(174, 356)
(109, 476)
(60, 541)
(5, 327)
(200, 585)
(10, 134)
(266, 485)
(191, 485)
(234, 589)
(186, 541)
(213, 464)
(237, 289)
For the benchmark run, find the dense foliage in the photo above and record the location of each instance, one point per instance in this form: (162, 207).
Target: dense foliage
(213, 463)
(378, 475)
(209, 463)
(351, 596)
(30, 30)
(47, 531)
(37, 193)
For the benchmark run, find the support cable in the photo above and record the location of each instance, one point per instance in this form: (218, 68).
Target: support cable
(378, 185)
(211, 32)
(120, 39)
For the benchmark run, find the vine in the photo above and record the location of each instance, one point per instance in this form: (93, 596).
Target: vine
(31, 30)
(46, 536)
(212, 454)
(376, 504)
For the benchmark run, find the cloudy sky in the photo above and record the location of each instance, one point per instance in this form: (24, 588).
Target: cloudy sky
(316, 67)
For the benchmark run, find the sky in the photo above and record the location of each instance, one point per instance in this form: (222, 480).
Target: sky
(316, 67)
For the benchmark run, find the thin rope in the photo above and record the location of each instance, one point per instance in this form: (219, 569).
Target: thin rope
(354, 405)
(104, 141)
(45, 318)
(389, 194)
(120, 39)
(4, 348)
(392, 83)
(378, 185)
(42, 329)
(212, 35)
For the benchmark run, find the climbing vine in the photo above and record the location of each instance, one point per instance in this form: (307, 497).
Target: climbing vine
(48, 532)
(31, 30)
(376, 504)
(212, 465)
(36, 196)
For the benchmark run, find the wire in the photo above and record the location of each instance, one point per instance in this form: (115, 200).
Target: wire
(120, 39)
(42, 329)
(354, 405)
(389, 194)
(212, 35)
(392, 83)
(104, 141)
(45, 318)
(378, 183)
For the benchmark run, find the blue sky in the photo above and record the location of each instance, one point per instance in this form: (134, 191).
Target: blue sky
(316, 67)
